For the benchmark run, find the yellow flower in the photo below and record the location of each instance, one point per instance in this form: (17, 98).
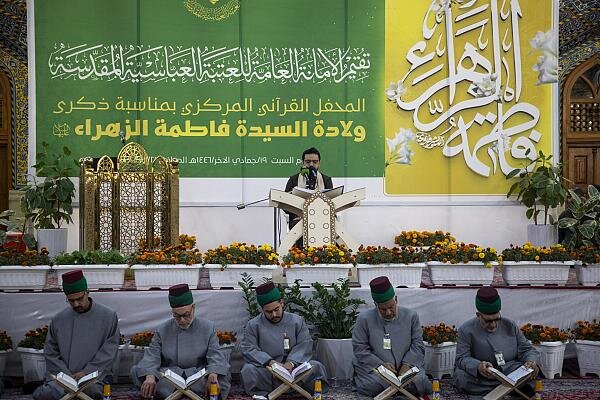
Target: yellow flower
(537, 258)
(481, 255)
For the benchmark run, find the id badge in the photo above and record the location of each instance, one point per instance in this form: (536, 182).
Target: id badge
(387, 343)
(499, 359)
(286, 343)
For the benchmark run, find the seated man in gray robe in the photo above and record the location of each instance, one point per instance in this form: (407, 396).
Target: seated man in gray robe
(387, 335)
(82, 339)
(184, 344)
(276, 336)
(489, 340)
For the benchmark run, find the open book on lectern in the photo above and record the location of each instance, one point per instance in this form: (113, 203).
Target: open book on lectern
(305, 193)
(397, 380)
(182, 382)
(290, 376)
(515, 377)
(72, 383)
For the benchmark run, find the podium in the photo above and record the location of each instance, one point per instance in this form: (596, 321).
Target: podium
(319, 225)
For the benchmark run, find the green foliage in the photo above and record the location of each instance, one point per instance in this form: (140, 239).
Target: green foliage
(49, 202)
(247, 285)
(583, 224)
(93, 257)
(539, 183)
(5, 224)
(330, 310)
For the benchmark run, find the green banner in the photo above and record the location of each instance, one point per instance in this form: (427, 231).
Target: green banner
(231, 88)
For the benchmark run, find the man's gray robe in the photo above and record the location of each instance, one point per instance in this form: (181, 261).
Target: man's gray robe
(475, 344)
(76, 342)
(406, 338)
(263, 342)
(185, 352)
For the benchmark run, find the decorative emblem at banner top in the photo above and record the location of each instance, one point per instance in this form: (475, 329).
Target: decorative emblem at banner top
(212, 10)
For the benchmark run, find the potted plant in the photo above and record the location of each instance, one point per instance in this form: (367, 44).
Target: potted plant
(402, 265)
(422, 238)
(31, 349)
(587, 342)
(587, 266)
(324, 264)
(332, 313)
(102, 269)
(541, 188)
(227, 340)
(226, 264)
(162, 268)
(536, 265)
(5, 349)
(116, 367)
(48, 202)
(23, 270)
(551, 343)
(581, 219)
(10, 237)
(440, 349)
(451, 263)
(138, 343)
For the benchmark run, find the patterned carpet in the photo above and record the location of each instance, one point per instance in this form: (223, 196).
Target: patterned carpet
(557, 389)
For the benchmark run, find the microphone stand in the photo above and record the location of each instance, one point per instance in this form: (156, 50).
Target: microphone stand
(276, 217)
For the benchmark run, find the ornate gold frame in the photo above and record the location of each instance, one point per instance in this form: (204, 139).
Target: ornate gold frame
(136, 201)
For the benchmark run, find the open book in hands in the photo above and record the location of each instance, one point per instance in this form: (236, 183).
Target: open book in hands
(72, 383)
(281, 371)
(397, 380)
(182, 382)
(515, 377)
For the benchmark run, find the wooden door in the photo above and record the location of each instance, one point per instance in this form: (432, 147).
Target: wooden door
(581, 124)
(5, 140)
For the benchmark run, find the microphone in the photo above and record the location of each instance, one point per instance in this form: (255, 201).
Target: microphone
(312, 178)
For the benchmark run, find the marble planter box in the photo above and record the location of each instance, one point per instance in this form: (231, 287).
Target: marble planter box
(439, 359)
(536, 273)
(408, 275)
(325, 274)
(15, 277)
(588, 275)
(164, 276)
(552, 355)
(230, 275)
(588, 357)
(472, 273)
(98, 276)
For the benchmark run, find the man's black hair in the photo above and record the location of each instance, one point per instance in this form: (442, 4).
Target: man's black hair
(312, 150)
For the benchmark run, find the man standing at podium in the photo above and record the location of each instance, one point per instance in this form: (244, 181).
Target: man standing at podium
(309, 177)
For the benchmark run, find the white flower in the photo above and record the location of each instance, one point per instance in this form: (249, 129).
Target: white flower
(544, 41)
(547, 68)
(399, 147)
(395, 91)
(486, 87)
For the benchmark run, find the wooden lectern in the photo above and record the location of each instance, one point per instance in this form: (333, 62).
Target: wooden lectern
(318, 226)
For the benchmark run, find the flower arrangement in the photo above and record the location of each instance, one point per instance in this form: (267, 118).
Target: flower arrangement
(141, 339)
(5, 341)
(530, 253)
(385, 255)
(587, 255)
(226, 337)
(35, 338)
(422, 238)
(93, 257)
(182, 253)
(454, 253)
(542, 333)
(440, 333)
(328, 254)
(13, 256)
(586, 330)
(241, 253)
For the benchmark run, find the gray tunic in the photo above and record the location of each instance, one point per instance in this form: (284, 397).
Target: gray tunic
(263, 342)
(406, 338)
(185, 352)
(475, 344)
(80, 342)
